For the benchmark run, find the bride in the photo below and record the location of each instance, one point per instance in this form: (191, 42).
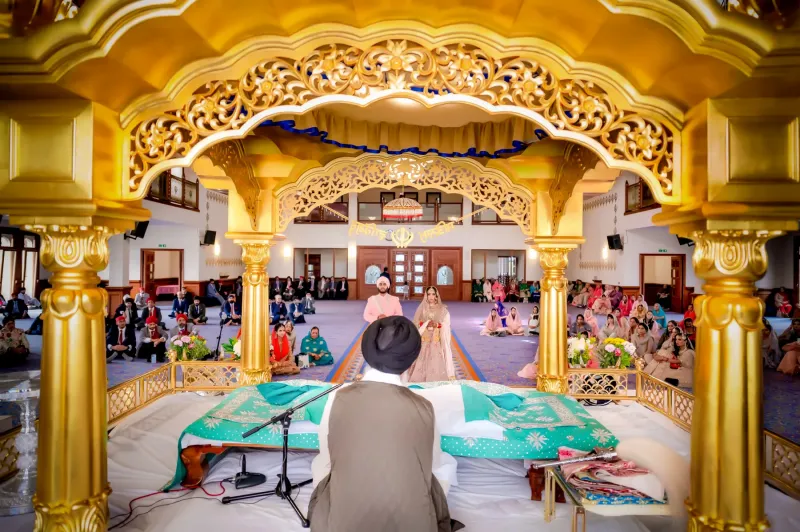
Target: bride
(435, 361)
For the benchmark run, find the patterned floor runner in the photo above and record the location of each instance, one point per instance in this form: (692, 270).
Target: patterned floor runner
(353, 364)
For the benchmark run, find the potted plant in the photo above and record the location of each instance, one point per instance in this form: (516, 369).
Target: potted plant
(192, 347)
(579, 352)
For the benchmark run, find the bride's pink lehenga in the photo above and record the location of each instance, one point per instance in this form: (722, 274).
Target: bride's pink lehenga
(435, 360)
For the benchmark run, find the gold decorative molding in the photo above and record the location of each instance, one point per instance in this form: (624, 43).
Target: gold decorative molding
(779, 13)
(67, 247)
(88, 515)
(576, 162)
(598, 265)
(576, 106)
(484, 186)
(595, 203)
(230, 157)
(731, 254)
(216, 197)
(223, 261)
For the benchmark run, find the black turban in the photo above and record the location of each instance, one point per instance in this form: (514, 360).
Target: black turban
(391, 344)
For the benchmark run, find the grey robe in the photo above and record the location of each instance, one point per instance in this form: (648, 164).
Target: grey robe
(381, 453)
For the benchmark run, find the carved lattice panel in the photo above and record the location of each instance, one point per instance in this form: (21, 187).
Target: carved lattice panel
(654, 393)
(123, 398)
(785, 461)
(682, 407)
(156, 383)
(209, 376)
(484, 186)
(600, 384)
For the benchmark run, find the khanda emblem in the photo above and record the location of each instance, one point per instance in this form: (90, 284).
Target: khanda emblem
(402, 237)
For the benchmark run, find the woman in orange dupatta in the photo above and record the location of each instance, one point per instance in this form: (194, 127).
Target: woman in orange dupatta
(280, 353)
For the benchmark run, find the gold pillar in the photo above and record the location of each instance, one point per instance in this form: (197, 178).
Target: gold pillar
(727, 440)
(72, 486)
(255, 311)
(552, 370)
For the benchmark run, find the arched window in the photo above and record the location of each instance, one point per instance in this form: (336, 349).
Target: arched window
(445, 276)
(371, 274)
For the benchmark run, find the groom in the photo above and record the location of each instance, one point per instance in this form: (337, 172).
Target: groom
(383, 304)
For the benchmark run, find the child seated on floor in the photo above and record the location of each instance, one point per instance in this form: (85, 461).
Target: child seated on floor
(316, 348)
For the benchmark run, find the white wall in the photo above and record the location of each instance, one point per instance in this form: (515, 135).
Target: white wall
(167, 264)
(657, 270)
(467, 236)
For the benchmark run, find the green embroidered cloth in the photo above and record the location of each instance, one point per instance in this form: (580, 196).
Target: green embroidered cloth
(534, 423)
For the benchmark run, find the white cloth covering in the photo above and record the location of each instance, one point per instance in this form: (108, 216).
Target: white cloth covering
(492, 495)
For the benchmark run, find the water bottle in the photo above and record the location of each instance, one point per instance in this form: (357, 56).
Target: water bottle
(152, 359)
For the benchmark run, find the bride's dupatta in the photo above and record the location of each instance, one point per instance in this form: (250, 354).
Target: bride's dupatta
(424, 314)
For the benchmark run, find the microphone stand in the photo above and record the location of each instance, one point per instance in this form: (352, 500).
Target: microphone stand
(219, 339)
(284, 487)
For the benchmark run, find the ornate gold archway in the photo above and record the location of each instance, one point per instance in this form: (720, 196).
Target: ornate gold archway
(590, 108)
(484, 186)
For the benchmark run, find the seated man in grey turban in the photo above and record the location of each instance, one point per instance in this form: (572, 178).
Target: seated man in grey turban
(379, 446)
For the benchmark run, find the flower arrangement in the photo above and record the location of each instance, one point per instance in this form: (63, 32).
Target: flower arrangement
(579, 352)
(233, 348)
(616, 353)
(189, 347)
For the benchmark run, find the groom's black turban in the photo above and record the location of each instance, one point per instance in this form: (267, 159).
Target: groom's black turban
(391, 344)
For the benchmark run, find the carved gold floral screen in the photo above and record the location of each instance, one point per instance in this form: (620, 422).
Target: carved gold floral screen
(575, 104)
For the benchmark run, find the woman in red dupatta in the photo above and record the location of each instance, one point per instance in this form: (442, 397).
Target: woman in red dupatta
(280, 353)
(597, 293)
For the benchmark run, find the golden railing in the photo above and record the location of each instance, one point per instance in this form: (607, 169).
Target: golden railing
(782, 464)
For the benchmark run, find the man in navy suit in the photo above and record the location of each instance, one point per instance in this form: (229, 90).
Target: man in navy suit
(179, 305)
(278, 311)
(150, 310)
(232, 312)
(120, 340)
(16, 308)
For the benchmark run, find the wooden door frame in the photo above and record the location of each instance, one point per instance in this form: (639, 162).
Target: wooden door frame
(141, 265)
(460, 249)
(683, 272)
(796, 267)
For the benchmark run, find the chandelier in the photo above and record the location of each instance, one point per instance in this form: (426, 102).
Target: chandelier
(403, 209)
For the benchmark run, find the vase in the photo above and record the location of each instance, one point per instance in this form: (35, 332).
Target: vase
(16, 494)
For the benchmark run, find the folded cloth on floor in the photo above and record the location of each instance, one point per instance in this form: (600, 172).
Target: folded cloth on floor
(618, 482)
(475, 419)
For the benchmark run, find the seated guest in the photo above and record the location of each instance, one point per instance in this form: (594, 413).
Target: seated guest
(677, 369)
(639, 312)
(238, 287)
(498, 291)
(669, 333)
(622, 323)
(513, 291)
(342, 289)
(535, 292)
(373, 493)
(597, 293)
(602, 306)
(308, 304)
(687, 325)
(591, 321)
(278, 311)
(615, 296)
(120, 340)
(514, 323)
(179, 304)
(582, 297)
(533, 321)
(771, 353)
(232, 312)
(643, 340)
(783, 303)
(276, 288)
(301, 288)
(633, 327)
(580, 327)
(611, 329)
(280, 353)
(524, 292)
(640, 301)
(477, 292)
(152, 341)
(32, 302)
(625, 306)
(36, 327)
(141, 299)
(664, 297)
(487, 290)
(494, 325)
(150, 310)
(291, 335)
(789, 342)
(14, 347)
(316, 348)
(2, 305)
(183, 327)
(665, 350)
(312, 286)
(296, 314)
(689, 314)
(129, 311)
(197, 312)
(212, 292)
(16, 308)
(288, 289)
(659, 315)
(652, 325)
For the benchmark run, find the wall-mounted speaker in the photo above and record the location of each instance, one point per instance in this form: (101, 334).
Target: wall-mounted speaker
(614, 242)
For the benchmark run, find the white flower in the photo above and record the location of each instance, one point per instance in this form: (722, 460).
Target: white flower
(537, 440)
(177, 343)
(610, 348)
(174, 338)
(237, 348)
(601, 435)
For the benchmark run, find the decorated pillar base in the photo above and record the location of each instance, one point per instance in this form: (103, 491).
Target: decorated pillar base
(552, 368)
(727, 491)
(255, 338)
(72, 485)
